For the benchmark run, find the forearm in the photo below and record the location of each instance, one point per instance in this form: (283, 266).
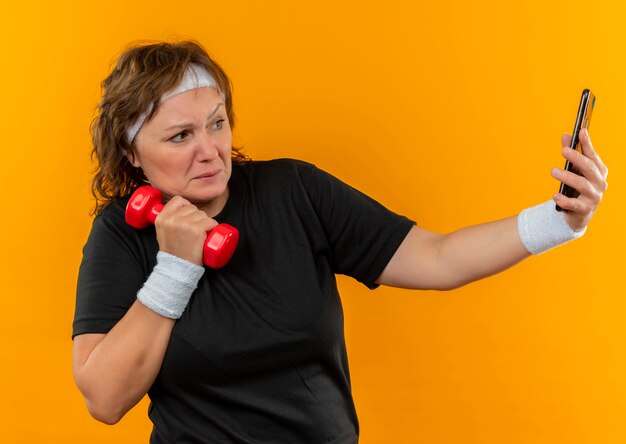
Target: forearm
(114, 371)
(478, 251)
(120, 369)
(427, 260)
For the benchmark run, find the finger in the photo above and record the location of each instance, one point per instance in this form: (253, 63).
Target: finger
(579, 183)
(590, 152)
(209, 224)
(566, 139)
(175, 203)
(174, 209)
(200, 219)
(566, 203)
(570, 204)
(585, 166)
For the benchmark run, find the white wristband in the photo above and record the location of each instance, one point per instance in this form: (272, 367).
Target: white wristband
(542, 228)
(170, 285)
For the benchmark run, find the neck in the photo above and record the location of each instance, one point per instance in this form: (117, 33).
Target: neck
(215, 206)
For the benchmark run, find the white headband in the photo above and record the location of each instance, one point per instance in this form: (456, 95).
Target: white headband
(196, 76)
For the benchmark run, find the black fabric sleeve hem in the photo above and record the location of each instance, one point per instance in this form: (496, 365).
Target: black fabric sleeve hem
(362, 234)
(378, 266)
(93, 326)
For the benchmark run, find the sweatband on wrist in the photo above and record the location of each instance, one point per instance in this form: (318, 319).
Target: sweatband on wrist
(170, 285)
(542, 228)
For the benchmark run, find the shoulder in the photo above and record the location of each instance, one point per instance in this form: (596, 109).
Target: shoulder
(113, 214)
(115, 209)
(276, 172)
(275, 166)
(110, 224)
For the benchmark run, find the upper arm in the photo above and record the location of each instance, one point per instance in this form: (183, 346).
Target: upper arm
(113, 268)
(81, 350)
(359, 233)
(415, 264)
(428, 260)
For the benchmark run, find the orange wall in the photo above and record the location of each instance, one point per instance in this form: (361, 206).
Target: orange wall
(447, 111)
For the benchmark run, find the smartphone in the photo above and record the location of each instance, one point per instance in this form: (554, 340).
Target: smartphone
(585, 109)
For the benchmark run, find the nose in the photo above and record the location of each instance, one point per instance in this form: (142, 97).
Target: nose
(206, 148)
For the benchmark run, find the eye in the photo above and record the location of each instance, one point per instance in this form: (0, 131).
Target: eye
(218, 124)
(180, 137)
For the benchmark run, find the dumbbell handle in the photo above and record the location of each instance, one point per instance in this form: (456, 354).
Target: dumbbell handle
(145, 205)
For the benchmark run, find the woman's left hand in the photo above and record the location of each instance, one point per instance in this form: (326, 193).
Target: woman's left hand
(591, 184)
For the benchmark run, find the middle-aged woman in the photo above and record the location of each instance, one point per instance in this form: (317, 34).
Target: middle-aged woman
(253, 352)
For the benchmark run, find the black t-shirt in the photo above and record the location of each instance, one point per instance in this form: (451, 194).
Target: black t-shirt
(259, 354)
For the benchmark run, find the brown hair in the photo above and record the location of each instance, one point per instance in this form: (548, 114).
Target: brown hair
(142, 74)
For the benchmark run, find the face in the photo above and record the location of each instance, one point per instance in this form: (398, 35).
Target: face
(185, 149)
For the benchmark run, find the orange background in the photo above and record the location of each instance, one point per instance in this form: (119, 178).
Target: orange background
(449, 112)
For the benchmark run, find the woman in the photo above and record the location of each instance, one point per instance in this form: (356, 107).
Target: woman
(252, 352)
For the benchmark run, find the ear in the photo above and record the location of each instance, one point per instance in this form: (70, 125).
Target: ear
(132, 159)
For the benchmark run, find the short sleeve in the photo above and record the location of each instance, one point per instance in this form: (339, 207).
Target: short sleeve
(362, 234)
(116, 263)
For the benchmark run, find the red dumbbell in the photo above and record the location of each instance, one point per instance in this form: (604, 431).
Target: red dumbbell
(145, 205)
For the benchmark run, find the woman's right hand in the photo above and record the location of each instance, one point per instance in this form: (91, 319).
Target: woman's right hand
(182, 228)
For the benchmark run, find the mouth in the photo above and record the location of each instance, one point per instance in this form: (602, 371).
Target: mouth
(207, 176)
